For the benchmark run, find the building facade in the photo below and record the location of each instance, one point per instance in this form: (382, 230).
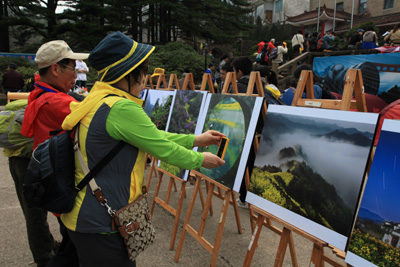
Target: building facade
(340, 15)
(276, 11)
(374, 8)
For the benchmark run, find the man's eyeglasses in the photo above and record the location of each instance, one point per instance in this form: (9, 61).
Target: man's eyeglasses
(69, 67)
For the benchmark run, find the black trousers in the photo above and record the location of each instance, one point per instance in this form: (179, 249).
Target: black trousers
(101, 250)
(40, 239)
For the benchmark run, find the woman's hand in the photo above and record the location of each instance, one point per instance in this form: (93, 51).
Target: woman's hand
(210, 137)
(211, 161)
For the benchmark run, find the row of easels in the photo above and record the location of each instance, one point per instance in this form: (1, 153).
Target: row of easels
(214, 189)
(188, 84)
(173, 83)
(259, 219)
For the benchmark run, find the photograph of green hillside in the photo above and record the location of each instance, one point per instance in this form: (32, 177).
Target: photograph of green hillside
(236, 117)
(186, 110)
(158, 105)
(310, 165)
(375, 240)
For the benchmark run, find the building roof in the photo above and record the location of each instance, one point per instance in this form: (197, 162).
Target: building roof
(380, 21)
(311, 17)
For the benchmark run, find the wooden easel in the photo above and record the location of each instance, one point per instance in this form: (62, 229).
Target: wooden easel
(165, 203)
(255, 79)
(172, 182)
(223, 192)
(16, 96)
(353, 84)
(229, 197)
(317, 257)
(207, 80)
(148, 80)
(189, 81)
(161, 80)
(173, 80)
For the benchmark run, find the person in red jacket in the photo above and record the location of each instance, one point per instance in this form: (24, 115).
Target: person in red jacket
(271, 45)
(261, 46)
(48, 105)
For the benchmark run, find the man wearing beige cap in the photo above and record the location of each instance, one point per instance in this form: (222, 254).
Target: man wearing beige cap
(48, 105)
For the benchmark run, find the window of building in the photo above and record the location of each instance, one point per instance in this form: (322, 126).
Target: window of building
(278, 5)
(388, 4)
(362, 8)
(339, 6)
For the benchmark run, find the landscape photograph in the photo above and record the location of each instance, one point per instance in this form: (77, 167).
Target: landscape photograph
(158, 105)
(143, 95)
(186, 110)
(236, 117)
(375, 240)
(311, 166)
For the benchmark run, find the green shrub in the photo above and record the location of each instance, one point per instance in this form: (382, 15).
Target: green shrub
(175, 57)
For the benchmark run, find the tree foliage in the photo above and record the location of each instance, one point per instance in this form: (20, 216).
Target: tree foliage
(177, 58)
(83, 23)
(373, 249)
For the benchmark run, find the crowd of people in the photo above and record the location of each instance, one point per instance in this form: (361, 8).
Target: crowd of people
(306, 42)
(87, 235)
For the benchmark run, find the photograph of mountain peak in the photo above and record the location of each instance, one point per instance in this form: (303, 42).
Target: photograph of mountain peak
(310, 167)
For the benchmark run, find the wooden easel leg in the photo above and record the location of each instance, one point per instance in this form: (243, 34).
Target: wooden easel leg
(205, 209)
(154, 166)
(160, 175)
(187, 219)
(316, 256)
(201, 194)
(286, 238)
(177, 216)
(202, 198)
(247, 183)
(176, 190)
(221, 224)
(252, 218)
(254, 240)
(236, 209)
(292, 251)
(169, 188)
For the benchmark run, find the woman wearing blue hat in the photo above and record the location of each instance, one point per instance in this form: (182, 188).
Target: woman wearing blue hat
(112, 112)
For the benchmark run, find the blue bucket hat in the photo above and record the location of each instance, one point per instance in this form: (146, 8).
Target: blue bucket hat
(117, 55)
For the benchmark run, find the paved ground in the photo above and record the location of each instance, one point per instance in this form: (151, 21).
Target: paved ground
(14, 249)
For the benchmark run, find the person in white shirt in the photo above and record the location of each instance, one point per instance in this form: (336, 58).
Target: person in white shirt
(282, 49)
(297, 42)
(81, 70)
(224, 60)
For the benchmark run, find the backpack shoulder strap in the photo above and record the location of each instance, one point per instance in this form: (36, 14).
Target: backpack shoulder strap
(90, 174)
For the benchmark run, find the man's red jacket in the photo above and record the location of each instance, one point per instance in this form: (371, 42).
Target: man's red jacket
(45, 113)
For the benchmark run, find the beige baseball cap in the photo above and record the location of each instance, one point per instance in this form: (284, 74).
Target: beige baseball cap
(54, 51)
